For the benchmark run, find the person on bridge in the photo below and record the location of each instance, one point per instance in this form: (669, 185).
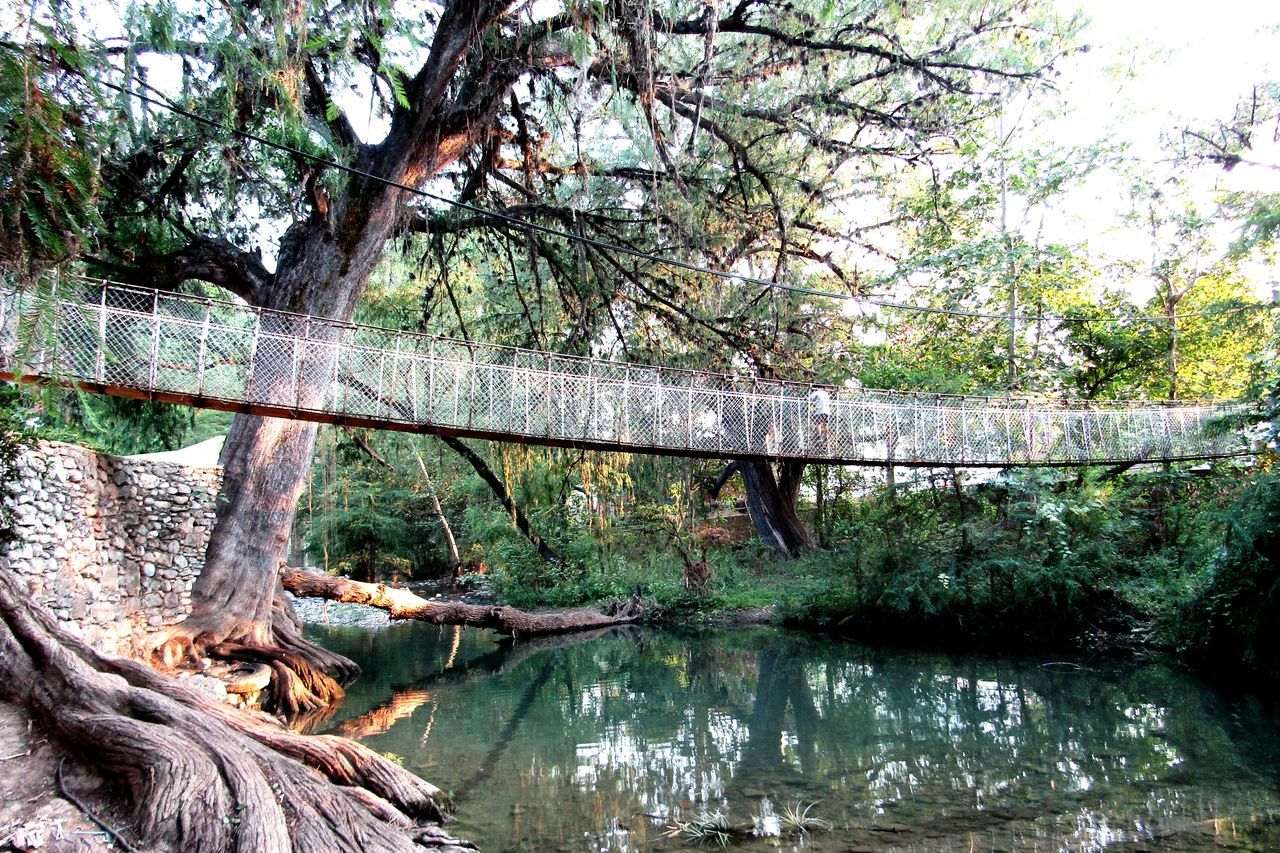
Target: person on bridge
(820, 403)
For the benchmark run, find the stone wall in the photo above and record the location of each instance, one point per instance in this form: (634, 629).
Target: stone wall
(111, 545)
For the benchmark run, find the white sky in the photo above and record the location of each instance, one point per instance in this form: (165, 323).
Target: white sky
(1213, 53)
(1153, 68)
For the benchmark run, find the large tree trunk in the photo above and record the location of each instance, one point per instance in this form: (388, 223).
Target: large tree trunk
(403, 604)
(266, 462)
(322, 267)
(201, 775)
(771, 501)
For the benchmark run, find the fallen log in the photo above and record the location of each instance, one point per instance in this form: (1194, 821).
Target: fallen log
(402, 604)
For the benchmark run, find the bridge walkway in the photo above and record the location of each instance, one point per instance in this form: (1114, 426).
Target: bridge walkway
(116, 339)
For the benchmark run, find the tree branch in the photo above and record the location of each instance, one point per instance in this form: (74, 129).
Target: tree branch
(499, 489)
(363, 443)
(712, 489)
(319, 102)
(924, 64)
(211, 259)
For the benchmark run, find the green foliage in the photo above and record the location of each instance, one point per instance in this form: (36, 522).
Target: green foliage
(361, 539)
(123, 426)
(1231, 144)
(117, 425)
(794, 140)
(1033, 557)
(1230, 613)
(1261, 222)
(365, 520)
(49, 179)
(1234, 618)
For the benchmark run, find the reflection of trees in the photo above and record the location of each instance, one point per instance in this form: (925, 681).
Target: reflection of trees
(508, 732)
(782, 684)
(569, 733)
(456, 665)
(508, 654)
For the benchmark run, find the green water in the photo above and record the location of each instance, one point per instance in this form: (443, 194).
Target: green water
(601, 743)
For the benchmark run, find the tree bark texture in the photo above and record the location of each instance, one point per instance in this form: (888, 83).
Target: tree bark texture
(232, 597)
(771, 502)
(323, 265)
(403, 604)
(238, 610)
(201, 775)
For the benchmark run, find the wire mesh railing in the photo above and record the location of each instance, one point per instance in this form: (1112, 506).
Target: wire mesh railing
(218, 354)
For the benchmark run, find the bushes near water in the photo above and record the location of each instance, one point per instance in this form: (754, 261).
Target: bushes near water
(1180, 559)
(1031, 558)
(1233, 615)
(1173, 559)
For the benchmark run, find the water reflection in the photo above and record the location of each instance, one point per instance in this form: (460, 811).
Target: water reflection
(596, 743)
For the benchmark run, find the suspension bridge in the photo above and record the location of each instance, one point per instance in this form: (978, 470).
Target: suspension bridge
(110, 338)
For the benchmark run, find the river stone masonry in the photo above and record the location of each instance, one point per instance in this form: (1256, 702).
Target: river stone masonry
(112, 545)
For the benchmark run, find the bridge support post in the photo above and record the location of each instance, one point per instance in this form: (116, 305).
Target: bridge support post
(204, 348)
(431, 381)
(155, 342)
(253, 356)
(297, 362)
(100, 361)
(511, 388)
(626, 403)
(413, 385)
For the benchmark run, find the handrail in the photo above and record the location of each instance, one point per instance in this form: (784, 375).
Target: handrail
(215, 353)
(1041, 399)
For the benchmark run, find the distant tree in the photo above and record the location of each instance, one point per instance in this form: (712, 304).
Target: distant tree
(1233, 144)
(1211, 322)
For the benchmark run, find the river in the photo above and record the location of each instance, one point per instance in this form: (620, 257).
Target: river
(612, 742)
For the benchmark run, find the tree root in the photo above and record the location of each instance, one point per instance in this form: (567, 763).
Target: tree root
(286, 630)
(204, 776)
(403, 604)
(66, 794)
(307, 679)
(298, 687)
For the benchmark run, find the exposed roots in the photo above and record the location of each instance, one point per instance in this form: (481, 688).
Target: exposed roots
(298, 687)
(307, 679)
(204, 776)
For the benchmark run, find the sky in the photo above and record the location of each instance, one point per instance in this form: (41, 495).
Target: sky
(1154, 67)
(1211, 53)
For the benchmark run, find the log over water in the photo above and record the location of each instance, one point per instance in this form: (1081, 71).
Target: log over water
(403, 604)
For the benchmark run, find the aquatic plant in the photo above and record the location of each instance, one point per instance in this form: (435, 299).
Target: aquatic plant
(796, 819)
(706, 828)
